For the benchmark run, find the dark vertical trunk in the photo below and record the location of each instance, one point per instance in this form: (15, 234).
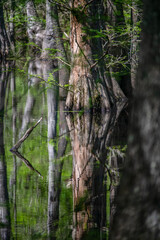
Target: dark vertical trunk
(4, 42)
(13, 177)
(4, 200)
(138, 212)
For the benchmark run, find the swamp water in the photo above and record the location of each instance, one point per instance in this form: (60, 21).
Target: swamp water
(78, 156)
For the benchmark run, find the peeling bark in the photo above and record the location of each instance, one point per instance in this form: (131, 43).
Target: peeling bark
(88, 81)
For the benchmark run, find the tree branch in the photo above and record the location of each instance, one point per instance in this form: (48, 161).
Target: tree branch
(25, 136)
(26, 162)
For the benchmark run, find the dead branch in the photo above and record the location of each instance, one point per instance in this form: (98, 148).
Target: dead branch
(26, 162)
(25, 136)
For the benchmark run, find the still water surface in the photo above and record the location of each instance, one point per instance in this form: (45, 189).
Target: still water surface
(77, 155)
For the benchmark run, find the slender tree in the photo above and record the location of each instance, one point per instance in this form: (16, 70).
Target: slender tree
(4, 200)
(4, 42)
(53, 44)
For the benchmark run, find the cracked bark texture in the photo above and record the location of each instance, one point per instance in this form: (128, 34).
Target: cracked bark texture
(89, 84)
(138, 215)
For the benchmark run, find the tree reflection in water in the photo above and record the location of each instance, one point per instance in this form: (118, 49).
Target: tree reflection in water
(90, 137)
(55, 162)
(4, 200)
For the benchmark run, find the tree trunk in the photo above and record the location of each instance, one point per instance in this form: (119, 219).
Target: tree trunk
(90, 138)
(34, 72)
(138, 214)
(34, 28)
(4, 42)
(4, 200)
(89, 85)
(53, 42)
(89, 189)
(11, 30)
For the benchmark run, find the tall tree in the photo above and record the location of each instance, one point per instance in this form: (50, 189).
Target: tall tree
(89, 83)
(138, 212)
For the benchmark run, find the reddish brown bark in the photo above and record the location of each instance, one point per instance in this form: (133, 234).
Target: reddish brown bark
(89, 84)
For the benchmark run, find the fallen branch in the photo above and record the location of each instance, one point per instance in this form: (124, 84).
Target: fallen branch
(27, 163)
(14, 149)
(25, 136)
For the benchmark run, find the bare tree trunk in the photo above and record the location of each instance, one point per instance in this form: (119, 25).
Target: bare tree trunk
(34, 28)
(13, 177)
(53, 42)
(62, 56)
(138, 214)
(4, 42)
(49, 41)
(4, 200)
(54, 165)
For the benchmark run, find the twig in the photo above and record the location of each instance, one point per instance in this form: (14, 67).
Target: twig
(26, 135)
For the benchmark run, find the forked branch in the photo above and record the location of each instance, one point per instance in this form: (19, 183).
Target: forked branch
(14, 149)
(25, 136)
